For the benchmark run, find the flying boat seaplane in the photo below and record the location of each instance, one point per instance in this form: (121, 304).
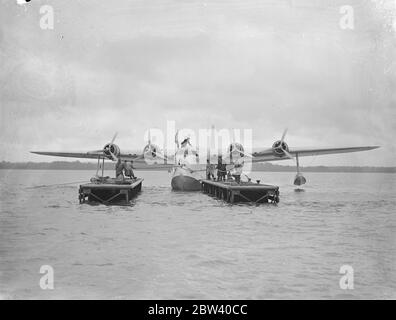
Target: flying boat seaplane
(185, 166)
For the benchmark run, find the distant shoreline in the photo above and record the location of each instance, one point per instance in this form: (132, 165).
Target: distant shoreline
(264, 167)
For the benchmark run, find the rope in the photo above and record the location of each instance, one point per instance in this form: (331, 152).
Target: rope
(197, 170)
(55, 185)
(215, 169)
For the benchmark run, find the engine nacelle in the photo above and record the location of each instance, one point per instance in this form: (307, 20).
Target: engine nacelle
(150, 151)
(236, 150)
(111, 150)
(278, 148)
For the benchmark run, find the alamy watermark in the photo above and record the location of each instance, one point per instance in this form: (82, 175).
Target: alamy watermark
(47, 280)
(346, 281)
(347, 21)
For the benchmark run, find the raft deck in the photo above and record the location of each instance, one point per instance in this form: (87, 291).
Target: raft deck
(110, 191)
(241, 192)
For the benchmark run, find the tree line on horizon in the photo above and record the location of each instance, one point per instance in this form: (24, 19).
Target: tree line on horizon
(77, 165)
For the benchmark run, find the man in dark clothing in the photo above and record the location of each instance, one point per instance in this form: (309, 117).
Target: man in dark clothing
(221, 169)
(119, 167)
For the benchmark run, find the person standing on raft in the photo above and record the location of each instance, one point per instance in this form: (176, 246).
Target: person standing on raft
(221, 169)
(128, 169)
(119, 168)
(210, 168)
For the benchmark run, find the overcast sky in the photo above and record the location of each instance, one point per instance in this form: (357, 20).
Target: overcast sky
(263, 65)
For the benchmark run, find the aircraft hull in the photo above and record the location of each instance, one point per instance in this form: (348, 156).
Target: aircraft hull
(183, 180)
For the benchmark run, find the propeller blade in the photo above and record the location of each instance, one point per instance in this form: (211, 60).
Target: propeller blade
(283, 135)
(160, 155)
(288, 154)
(114, 137)
(177, 137)
(246, 154)
(113, 156)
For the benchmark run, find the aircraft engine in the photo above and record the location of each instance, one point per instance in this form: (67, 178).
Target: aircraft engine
(236, 150)
(111, 150)
(150, 151)
(279, 147)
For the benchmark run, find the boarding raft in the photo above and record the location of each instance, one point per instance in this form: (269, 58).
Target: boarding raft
(232, 192)
(109, 191)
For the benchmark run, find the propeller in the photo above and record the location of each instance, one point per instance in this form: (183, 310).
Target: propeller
(108, 150)
(113, 156)
(281, 145)
(299, 179)
(240, 150)
(151, 148)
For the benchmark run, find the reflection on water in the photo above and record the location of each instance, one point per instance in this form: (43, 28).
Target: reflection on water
(189, 245)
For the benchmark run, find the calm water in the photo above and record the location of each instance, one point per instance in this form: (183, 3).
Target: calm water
(190, 246)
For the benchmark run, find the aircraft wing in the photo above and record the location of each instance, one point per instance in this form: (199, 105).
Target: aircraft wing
(86, 155)
(268, 155)
(260, 156)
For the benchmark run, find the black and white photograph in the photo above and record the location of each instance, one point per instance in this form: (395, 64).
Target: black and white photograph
(197, 150)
